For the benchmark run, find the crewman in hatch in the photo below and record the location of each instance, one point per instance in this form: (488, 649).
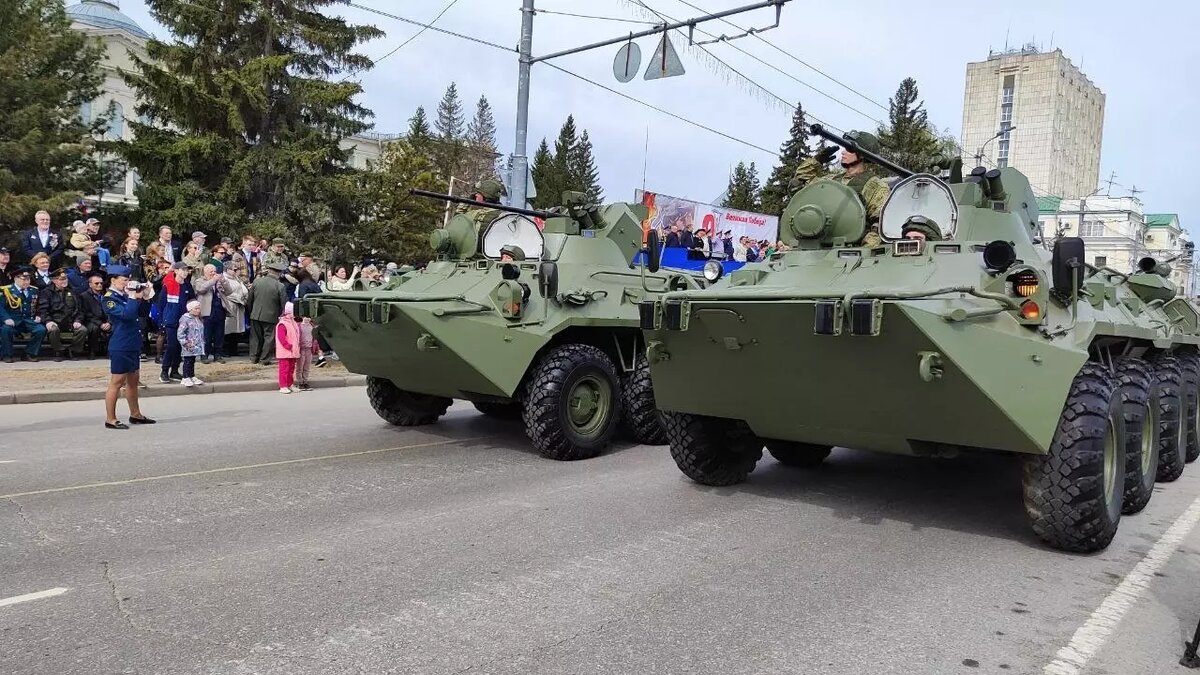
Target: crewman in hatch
(856, 174)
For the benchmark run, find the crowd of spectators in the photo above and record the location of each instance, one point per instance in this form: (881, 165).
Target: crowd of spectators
(206, 299)
(703, 245)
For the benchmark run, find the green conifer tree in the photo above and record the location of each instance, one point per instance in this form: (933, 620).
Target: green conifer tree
(585, 177)
(246, 117)
(48, 74)
(792, 153)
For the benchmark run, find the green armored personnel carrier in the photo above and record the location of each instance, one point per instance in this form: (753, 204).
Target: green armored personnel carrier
(960, 332)
(537, 323)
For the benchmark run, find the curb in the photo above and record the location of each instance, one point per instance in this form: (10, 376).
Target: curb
(153, 390)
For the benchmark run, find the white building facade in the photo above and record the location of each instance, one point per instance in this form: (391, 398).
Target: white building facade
(1118, 233)
(1057, 112)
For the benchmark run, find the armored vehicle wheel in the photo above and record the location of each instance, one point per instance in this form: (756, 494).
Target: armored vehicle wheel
(790, 453)
(1139, 394)
(1172, 433)
(572, 402)
(1189, 364)
(712, 450)
(1073, 493)
(640, 420)
(502, 411)
(404, 408)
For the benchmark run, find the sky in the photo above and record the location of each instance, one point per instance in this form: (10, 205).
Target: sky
(1141, 55)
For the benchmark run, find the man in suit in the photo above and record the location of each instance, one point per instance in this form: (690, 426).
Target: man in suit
(264, 304)
(95, 322)
(41, 240)
(172, 249)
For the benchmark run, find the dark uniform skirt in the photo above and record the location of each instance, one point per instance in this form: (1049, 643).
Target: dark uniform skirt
(123, 362)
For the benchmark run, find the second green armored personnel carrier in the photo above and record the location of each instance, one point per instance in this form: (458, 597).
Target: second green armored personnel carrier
(961, 332)
(525, 321)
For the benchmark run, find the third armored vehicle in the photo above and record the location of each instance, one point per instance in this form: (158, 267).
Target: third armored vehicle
(524, 321)
(960, 332)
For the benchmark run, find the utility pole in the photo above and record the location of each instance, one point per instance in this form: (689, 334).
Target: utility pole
(520, 168)
(520, 164)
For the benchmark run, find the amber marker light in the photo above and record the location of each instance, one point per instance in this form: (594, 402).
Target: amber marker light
(1030, 311)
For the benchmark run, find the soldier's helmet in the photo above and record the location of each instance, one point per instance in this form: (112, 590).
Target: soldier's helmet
(866, 141)
(491, 189)
(923, 225)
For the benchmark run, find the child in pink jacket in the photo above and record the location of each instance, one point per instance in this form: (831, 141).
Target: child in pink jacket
(308, 348)
(287, 349)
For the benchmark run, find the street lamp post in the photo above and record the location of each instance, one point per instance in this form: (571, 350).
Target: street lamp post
(979, 155)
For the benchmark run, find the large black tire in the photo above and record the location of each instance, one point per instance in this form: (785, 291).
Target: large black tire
(404, 408)
(712, 450)
(1073, 493)
(1172, 434)
(791, 453)
(501, 411)
(1139, 396)
(640, 420)
(572, 402)
(1189, 365)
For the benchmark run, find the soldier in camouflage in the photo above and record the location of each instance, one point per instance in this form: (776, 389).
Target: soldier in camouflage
(275, 255)
(859, 176)
(486, 191)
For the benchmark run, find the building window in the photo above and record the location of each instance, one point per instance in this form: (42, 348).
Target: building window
(1101, 261)
(1006, 116)
(1092, 228)
(116, 123)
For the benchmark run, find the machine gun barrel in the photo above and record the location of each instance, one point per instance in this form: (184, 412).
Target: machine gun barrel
(486, 205)
(866, 155)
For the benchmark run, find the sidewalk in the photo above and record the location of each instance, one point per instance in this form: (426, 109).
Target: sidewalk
(82, 380)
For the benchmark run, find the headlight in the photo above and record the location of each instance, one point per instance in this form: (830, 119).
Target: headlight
(713, 270)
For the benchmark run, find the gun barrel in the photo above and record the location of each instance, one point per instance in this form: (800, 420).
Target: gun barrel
(471, 202)
(864, 154)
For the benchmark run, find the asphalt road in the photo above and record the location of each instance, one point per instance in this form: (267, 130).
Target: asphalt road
(262, 533)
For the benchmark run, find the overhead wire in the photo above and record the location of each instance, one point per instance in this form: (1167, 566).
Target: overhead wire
(572, 74)
(787, 104)
(420, 32)
(592, 16)
(795, 58)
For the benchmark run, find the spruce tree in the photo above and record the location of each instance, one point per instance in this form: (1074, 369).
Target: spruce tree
(564, 148)
(47, 72)
(481, 142)
(792, 154)
(585, 177)
(744, 191)
(419, 132)
(450, 150)
(401, 224)
(246, 117)
(909, 139)
(544, 178)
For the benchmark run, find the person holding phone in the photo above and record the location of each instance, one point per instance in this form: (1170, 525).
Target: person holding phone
(121, 304)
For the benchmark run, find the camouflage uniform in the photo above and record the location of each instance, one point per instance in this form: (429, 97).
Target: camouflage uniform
(272, 258)
(491, 189)
(870, 187)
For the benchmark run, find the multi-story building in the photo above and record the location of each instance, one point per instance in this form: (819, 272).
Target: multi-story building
(1048, 114)
(1118, 233)
(120, 36)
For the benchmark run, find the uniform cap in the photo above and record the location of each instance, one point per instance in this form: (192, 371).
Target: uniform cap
(276, 241)
(277, 266)
(180, 266)
(59, 272)
(3, 249)
(118, 271)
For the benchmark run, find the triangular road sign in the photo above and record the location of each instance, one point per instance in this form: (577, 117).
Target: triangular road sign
(665, 62)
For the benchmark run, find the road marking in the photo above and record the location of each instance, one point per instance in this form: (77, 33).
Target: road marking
(7, 461)
(242, 467)
(32, 596)
(1092, 635)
